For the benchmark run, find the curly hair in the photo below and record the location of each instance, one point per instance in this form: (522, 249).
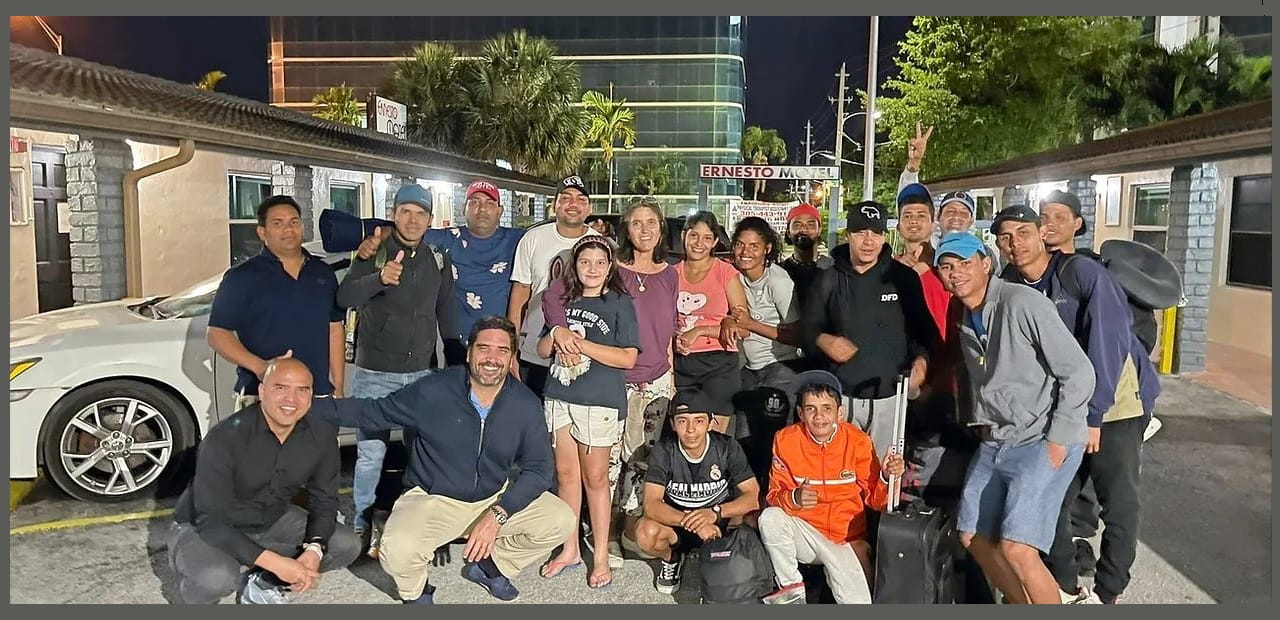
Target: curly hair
(766, 232)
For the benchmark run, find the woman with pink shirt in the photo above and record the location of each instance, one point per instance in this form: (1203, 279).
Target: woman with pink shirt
(707, 334)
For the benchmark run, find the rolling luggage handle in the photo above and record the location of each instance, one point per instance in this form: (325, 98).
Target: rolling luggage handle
(899, 438)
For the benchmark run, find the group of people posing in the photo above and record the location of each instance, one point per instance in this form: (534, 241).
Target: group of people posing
(621, 395)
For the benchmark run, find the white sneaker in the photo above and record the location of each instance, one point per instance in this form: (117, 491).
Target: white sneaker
(258, 591)
(1153, 427)
(616, 560)
(1082, 596)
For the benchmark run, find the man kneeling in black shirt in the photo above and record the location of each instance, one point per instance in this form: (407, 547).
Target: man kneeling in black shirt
(238, 510)
(697, 481)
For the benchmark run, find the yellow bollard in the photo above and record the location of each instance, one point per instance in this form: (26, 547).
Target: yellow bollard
(1167, 330)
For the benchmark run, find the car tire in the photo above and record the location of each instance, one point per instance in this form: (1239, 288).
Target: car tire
(89, 421)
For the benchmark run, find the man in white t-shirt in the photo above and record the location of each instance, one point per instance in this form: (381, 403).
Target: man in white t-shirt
(540, 258)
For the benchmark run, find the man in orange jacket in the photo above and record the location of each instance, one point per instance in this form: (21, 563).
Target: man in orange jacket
(824, 476)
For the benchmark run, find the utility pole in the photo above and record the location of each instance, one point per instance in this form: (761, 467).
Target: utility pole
(869, 137)
(833, 198)
(808, 147)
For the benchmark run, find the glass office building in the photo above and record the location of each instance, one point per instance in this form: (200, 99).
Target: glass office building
(683, 76)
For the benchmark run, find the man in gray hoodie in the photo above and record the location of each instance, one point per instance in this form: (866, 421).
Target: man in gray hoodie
(1026, 384)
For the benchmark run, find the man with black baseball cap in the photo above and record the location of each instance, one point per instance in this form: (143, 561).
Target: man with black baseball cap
(540, 258)
(868, 316)
(697, 481)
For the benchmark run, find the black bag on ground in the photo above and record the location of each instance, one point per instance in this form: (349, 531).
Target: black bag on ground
(735, 568)
(915, 556)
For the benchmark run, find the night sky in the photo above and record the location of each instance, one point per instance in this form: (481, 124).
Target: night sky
(791, 61)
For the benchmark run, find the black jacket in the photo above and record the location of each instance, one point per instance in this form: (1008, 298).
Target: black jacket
(396, 325)
(454, 452)
(881, 311)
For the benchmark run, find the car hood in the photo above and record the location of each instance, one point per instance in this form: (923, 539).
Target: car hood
(49, 329)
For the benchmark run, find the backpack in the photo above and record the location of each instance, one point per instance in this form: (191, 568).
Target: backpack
(379, 261)
(1144, 320)
(735, 568)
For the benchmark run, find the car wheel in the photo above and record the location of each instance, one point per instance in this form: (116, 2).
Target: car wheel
(116, 440)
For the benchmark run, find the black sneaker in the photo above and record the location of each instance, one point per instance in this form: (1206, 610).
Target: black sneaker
(668, 576)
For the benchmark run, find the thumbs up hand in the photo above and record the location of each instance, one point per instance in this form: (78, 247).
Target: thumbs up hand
(805, 495)
(391, 271)
(370, 245)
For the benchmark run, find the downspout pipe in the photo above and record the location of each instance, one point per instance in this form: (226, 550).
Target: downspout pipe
(132, 217)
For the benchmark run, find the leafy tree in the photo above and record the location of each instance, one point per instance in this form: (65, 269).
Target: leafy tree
(519, 106)
(997, 87)
(679, 178)
(210, 80)
(650, 178)
(427, 83)
(608, 121)
(1154, 84)
(758, 142)
(338, 104)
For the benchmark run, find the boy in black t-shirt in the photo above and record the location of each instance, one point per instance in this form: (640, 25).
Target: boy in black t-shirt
(697, 481)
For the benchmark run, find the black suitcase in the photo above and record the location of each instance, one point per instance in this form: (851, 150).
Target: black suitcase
(915, 546)
(915, 556)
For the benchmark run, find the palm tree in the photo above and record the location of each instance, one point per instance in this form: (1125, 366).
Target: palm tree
(678, 177)
(210, 80)
(519, 106)
(427, 83)
(758, 147)
(650, 178)
(338, 104)
(607, 122)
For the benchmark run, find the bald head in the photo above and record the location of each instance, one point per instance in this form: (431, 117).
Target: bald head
(290, 365)
(285, 393)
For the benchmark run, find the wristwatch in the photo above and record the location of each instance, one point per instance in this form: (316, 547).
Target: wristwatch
(498, 515)
(716, 509)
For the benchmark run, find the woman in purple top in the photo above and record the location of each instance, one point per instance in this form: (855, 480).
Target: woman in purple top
(652, 284)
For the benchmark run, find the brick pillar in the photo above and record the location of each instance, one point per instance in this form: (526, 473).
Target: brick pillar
(295, 181)
(1086, 190)
(95, 193)
(1012, 196)
(394, 183)
(1193, 201)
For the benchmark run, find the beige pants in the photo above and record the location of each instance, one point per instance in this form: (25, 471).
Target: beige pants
(420, 523)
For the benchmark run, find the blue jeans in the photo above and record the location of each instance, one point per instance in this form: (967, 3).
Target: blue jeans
(371, 446)
(1013, 493)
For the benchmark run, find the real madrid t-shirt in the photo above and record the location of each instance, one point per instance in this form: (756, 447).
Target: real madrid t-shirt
(704, 482)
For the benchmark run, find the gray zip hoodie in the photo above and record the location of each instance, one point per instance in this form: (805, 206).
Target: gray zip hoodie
(1030, 378)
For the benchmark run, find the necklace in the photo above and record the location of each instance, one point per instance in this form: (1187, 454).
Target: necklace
(640, 282)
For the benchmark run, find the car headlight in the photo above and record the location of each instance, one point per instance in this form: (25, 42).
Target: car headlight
(17, 368)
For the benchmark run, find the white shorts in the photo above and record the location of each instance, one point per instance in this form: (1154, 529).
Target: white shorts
(589, 425)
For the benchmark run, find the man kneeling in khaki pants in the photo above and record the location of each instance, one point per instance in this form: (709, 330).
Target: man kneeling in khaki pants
(459, 474)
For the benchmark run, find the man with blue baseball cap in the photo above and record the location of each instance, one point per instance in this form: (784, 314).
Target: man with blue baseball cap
(1025, 384)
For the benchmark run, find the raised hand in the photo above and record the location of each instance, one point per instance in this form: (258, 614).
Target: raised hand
(392, 270)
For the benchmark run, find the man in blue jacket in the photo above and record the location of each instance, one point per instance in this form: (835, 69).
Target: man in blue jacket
(459, 475)
(1094, 308)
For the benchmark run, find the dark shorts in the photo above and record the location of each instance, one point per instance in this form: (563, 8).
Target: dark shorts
(533, 376)
(715, 373)
(686, 541)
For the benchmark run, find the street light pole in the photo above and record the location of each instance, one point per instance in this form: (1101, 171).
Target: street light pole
(869, 138)
(833, 200)
(49, 32)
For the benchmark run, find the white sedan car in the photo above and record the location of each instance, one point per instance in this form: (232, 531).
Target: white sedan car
(110, 398)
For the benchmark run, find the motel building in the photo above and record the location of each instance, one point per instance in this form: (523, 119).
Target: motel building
(125, 185)
(1199, 190)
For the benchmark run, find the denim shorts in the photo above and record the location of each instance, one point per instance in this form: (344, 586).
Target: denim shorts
(1011, 492)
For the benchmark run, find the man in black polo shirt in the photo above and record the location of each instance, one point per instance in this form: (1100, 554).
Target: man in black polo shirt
(697, 481)
(279, 301)
(238, 510)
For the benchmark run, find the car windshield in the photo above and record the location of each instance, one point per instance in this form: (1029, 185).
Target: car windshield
(192, 302)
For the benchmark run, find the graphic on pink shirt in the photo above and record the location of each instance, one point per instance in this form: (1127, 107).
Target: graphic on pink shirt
(688, 304)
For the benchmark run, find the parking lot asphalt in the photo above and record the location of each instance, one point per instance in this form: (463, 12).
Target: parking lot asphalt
(1205, 536)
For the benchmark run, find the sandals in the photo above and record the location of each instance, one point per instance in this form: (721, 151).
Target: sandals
(595, 583)
(563, 567)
